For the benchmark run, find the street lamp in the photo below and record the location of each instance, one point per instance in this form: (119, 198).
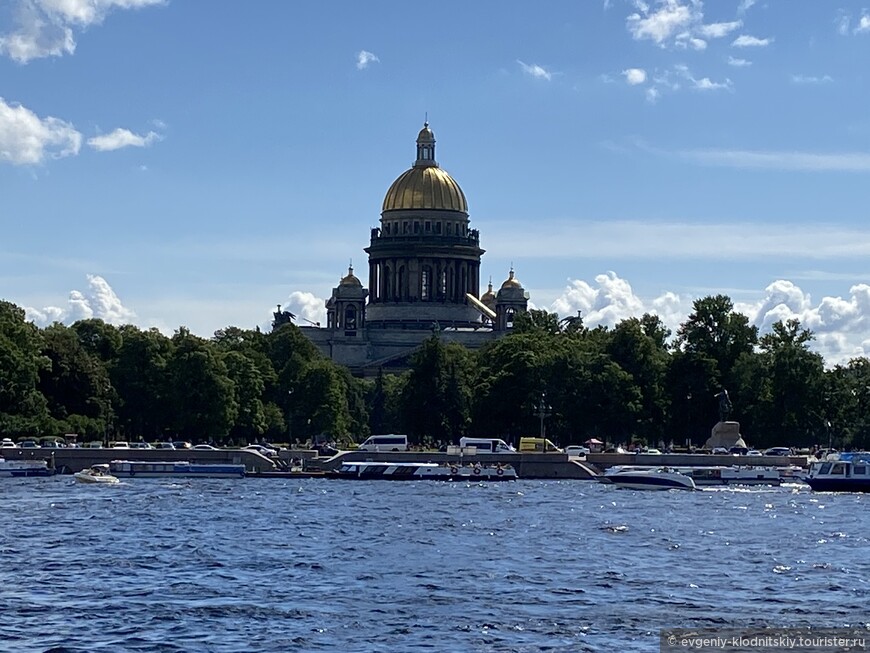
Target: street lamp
(544, 410)
(289, 418)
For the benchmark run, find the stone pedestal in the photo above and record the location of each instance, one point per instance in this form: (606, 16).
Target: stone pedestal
(725, 434)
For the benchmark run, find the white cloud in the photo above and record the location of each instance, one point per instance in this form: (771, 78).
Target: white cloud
(843, 22)
(738, 63)
(809, 79)
(659, 26)
(863, 24)
(364, 58)
(27, 139)
(99, 301)
(744, 6)
(306, 306)
(634, 76)
(841, 326)
(686, 40)
(535, 71)
(746, 41)
(719, 30)
(810, 161)
(706, 84)
(44, 28)
(122, 138)
(653, 94)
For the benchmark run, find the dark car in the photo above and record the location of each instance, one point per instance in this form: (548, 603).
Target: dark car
(739, 451)
(181, 444)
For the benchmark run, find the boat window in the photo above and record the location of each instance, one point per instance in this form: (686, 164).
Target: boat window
(860, 470)
(825, 469)
(839, 469)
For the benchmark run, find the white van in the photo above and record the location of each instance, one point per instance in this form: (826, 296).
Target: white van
(487, 445)
(390, 442)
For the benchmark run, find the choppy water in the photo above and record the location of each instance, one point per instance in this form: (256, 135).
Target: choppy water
(317, 565)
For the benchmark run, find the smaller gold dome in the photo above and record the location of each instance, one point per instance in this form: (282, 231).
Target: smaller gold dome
(488, 295)
(350, 279)
(425, 134)
(511, 281)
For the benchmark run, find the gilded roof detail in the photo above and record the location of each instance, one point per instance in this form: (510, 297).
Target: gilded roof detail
(425, 188)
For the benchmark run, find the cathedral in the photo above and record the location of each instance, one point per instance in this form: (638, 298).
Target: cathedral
(423, 278)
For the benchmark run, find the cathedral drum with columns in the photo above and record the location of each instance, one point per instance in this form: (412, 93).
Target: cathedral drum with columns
(424, 277)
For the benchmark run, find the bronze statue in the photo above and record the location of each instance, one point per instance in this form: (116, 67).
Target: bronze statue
(725, 405)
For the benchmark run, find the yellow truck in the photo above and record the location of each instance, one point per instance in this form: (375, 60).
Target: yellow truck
(539, 445)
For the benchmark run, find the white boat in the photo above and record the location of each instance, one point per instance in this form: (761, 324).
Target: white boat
(178, 469)
(733, 475)
(19, 468)
(96, 474)
(844, 472)
(648, 478)
(410, 471)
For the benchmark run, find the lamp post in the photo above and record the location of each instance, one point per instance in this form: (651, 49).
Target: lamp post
(689, 421)
(544, 410)
(289, 418)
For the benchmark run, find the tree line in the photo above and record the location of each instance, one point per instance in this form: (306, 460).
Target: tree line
(633, 383)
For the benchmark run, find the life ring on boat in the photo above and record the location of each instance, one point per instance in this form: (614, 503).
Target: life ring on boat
(499, 471)
(454, 470)
(477, 471)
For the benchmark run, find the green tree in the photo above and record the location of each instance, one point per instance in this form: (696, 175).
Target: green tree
(437, 395)
(23, 408)
(202, 393)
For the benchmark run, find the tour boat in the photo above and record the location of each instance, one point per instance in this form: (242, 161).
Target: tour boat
(845, 472)
(733, 475)
(409, 471)
(647, 478)
(178, 469)
(96, 474)
(19, 468)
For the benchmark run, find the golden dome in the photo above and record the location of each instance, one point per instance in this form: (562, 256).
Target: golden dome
(350, 279)
(489, 295)
(425, 188)
(511, 281)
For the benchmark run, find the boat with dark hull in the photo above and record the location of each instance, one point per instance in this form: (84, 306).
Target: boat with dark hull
(176, 469)
(845, 472)
(410, 471)
(21, 468)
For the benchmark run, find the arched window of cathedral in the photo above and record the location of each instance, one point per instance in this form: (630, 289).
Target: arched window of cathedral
(416, 227)
(509, 318)
(425, 281)
(388, 283)
(401, 283)
(448, 228)
(350, 318)
(428, 226)
(437, 227)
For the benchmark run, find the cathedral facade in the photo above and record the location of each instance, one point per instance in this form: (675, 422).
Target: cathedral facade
(423, 277)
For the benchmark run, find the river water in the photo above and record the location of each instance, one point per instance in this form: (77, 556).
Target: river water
(332, 565)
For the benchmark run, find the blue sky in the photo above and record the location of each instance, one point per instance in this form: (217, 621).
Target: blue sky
(172, 163)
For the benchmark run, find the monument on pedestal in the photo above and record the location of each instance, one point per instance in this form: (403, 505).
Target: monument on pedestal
(725, 433)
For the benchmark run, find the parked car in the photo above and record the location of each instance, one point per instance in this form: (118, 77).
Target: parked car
(205, 447)
(719, 451)
(140, 445)
(754, 452)
(120, 445)
(576, 450)
(28, 444)
(777, 451)
(53, 444)
(260, 449)
(8, 444)
(182, 444)
(164, 445)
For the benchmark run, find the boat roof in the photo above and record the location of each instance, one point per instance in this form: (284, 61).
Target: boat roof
(386, 463)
